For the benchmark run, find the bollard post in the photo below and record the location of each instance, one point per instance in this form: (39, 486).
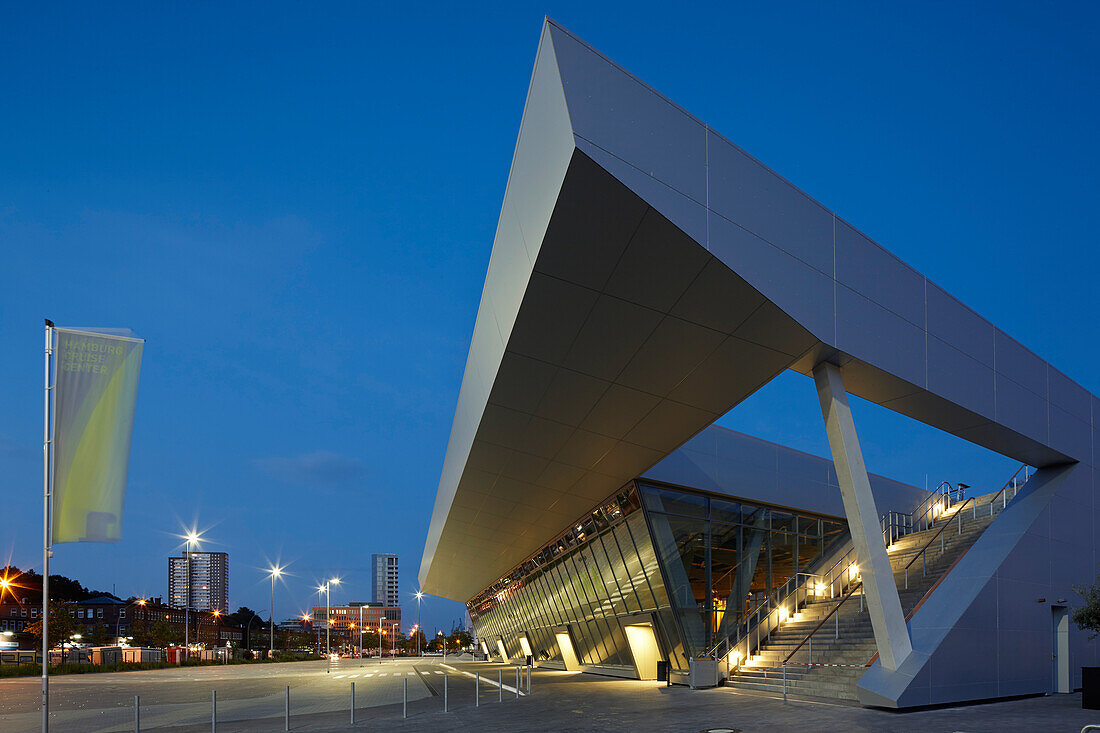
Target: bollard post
(137, 714)
(353, 703)
(444, 692)
(287, 718)
(500, 685)
(517, 681)
(784, 684)
(477, 689)
(213, 711)
(529, 679)
(405, 698)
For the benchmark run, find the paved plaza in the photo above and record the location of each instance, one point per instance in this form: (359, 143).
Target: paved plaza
(251, 698)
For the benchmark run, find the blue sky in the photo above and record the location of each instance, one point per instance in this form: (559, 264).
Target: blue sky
(294, 204)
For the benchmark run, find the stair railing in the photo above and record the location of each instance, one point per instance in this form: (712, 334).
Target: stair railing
(1012, 484)
(841, 578)
(762, 620)
(833, 613)
(895, 525)
(795, 593)
(923, 552)
(935, 504)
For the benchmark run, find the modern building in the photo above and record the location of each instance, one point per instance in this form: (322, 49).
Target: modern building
(386, 589)
(348, 620)
(207, 573)
(647, 276)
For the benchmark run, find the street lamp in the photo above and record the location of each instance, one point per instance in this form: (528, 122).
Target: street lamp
(328, 622)
(419, 597)
(192, 538)
(217, 614)
(275, 571)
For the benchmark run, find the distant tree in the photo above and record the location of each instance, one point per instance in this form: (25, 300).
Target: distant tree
(296, 640)
(423, 641)
(241, 617)
(160, 634)
(1087, 617)
(29, 585)
(459, 640)
(62, 625)
(98, 635)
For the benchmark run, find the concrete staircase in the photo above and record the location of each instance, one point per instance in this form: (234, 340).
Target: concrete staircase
(846, 638)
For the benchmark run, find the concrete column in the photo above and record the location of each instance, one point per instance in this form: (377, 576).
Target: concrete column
(883, 603)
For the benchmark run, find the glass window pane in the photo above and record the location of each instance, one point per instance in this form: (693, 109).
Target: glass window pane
(671, 501)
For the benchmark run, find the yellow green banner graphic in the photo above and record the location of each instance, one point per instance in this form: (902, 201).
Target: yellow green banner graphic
(95, 390)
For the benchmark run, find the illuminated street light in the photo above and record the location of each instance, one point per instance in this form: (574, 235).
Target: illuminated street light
(328, 626)
(275, 571)
(419, 596)
(192, 539)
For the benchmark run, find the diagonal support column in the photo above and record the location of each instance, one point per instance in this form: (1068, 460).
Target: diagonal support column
(883, 603)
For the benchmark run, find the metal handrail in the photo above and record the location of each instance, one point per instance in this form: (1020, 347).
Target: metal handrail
(939, 533)
(923, 553)
(851, 591)
(1003, 493)
(941, 500)
(777, 602)
(767, 606)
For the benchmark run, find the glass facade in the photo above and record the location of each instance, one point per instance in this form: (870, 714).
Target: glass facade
(690, 564)
(721, 557)
(601, 570)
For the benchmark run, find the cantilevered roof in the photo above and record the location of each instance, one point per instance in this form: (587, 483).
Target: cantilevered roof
(647, 275)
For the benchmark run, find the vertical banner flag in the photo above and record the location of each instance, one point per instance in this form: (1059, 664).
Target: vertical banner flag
(95, 389)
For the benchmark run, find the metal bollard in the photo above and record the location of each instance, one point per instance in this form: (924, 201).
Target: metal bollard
(529, 679)
(517, 682)
(405, 698)
(784, 684)
(444, 692)
(477, 689)
(287, 719)
(137, 714)
(353, 703)
(500, 685)
(213, 711)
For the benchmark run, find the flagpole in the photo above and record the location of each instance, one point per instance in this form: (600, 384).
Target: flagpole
(47, 460)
